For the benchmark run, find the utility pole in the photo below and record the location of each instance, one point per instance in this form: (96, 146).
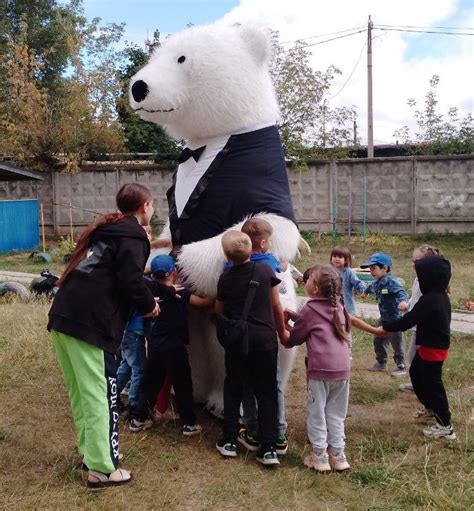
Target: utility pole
(370, 111)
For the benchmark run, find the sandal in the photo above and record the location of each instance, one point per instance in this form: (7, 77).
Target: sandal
(116, 478)
(121, 457)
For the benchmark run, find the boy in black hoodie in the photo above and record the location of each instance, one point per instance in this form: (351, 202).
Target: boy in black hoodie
(432, 317)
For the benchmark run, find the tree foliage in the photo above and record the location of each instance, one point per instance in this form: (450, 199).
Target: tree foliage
(57, 96)
(308, 123)
(438, 133)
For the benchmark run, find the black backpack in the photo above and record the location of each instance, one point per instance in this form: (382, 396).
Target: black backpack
(233, 334)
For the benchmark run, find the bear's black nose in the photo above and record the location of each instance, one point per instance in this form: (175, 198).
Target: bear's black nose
(139, 90)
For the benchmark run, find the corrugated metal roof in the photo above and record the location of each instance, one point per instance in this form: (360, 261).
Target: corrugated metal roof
(9, 172)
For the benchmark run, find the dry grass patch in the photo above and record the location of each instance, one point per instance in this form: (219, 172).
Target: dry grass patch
(393, 466)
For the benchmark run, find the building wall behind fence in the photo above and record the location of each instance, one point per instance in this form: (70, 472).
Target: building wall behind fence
(402, 195)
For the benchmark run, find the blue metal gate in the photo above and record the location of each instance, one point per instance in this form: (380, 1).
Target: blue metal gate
(19, 225)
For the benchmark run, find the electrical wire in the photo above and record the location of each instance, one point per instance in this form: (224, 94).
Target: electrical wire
(329, 40)
(322, 35)
(428, 28)
(352, 72)
(421, 31)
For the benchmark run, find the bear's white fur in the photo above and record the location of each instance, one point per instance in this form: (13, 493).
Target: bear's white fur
(221, 87)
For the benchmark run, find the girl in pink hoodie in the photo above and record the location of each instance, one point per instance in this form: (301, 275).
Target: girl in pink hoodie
(324, 325)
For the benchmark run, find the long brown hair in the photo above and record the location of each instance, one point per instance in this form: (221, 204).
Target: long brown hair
(344, 252)
(129, 199)
(329, 284)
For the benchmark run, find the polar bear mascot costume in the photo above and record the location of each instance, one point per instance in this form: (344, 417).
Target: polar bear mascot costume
(211, 86)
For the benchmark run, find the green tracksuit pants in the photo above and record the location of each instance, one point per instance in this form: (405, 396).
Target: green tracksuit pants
(90, 377)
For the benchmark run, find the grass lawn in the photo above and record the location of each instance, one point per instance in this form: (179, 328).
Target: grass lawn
(393, 465)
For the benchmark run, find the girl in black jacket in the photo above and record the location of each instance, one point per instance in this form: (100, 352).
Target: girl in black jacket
(97, 290)
(432, 317)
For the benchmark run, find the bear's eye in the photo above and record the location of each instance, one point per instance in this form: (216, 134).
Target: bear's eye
(181, 59)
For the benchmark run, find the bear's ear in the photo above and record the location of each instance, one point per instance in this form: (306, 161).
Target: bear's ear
(258, 43)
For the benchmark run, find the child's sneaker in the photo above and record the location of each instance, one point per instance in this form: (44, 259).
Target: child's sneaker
(378, 367)
(169, 415)
(423, 414)
(399, 372)
(135, 425)
(228, 449)
(281, 445)
(438, 431)
(338, 462)
(191, 430)
(248, 440)
(406, 387)
(268, 456)
(318, 462)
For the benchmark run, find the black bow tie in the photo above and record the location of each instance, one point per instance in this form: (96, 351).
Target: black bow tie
(186, 153)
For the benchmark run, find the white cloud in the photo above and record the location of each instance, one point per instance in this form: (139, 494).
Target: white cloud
(402, 66)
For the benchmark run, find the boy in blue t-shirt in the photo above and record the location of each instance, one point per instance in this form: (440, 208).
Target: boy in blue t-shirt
(391, 298)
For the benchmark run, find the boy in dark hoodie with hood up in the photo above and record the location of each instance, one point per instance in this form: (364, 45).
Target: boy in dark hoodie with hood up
(432, 317)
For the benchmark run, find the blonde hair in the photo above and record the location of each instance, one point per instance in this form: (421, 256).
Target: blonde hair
(329, 284)
(258, 230)
(237, 246)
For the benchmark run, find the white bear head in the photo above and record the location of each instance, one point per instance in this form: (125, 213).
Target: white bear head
(207, 81)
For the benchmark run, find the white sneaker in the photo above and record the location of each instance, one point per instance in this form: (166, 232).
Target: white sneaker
(338, 462)
(399, 372)
(423, 414)
(406, 387)
(438, 431)
(318, 462)
(195, 429)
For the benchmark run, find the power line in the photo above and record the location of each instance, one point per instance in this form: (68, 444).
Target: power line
(352, 72)
(422, 31)
(414, 26)
(328, 40)
(322, 35)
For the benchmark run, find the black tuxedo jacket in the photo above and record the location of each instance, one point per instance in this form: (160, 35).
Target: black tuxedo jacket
(248, 176)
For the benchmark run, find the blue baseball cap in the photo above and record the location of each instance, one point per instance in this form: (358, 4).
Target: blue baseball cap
(378, 258)
(162, 264)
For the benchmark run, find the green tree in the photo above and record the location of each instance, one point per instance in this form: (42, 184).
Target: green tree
(437, 133)
(308, 123)
(141, 136)
(57, 98)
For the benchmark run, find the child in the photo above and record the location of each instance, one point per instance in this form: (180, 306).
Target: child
(324, 325)
(341, 259)
(133, 359)
(167, 352)
(102, 280)
(260, 232)
(258, 368)
(418, 253)
(391, 297)
(432, 317)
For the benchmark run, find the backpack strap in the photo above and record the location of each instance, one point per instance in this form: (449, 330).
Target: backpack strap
(253, 284)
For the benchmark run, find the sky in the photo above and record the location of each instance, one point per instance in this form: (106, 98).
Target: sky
(403, 62)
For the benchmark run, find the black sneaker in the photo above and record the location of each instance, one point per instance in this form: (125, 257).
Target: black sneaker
(268, 456)
(248, 440)
(228, 449)
(281, 445)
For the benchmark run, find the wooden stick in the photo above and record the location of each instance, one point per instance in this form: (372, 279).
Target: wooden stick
(42, 227)
(70, 222)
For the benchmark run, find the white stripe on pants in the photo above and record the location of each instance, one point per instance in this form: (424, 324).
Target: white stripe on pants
(327, 409)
